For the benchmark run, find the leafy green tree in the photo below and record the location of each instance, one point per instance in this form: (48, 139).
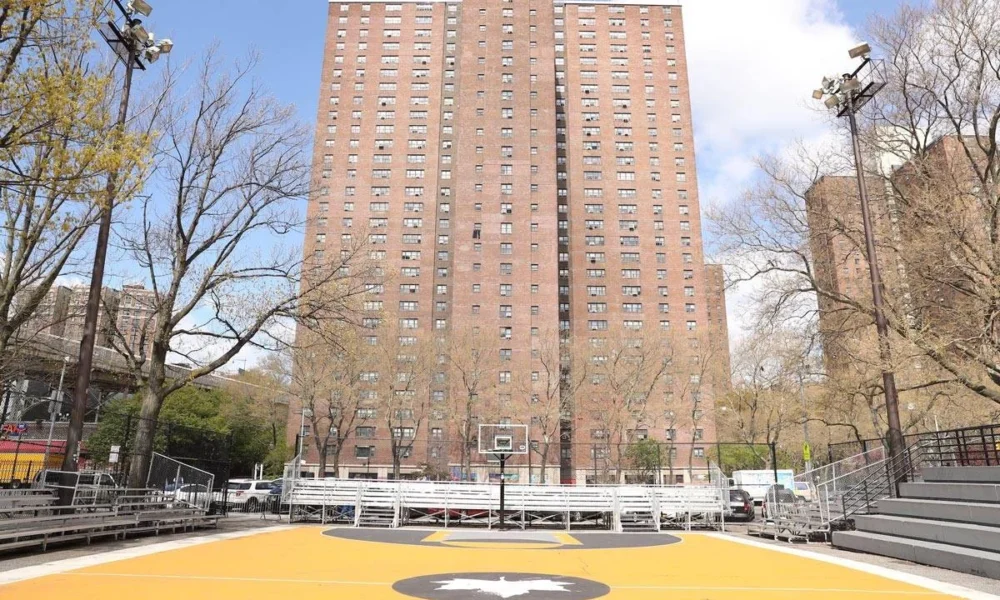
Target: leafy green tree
(208, 429)
(643, 457)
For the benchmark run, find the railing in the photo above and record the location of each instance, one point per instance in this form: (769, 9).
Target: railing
(966, 447)
(473, 503)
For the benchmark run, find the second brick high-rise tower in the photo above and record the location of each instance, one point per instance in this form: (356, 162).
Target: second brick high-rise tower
(525, 171)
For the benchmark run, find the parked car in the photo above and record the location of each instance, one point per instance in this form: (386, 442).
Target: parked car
(192, 493)
(248, 494)
(803, 490)
(777, 500)
(740, 505)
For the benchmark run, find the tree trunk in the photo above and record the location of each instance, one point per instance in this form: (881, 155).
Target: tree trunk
(464, 468)
(322, 459)
(336, 458)
(545, 460)
(145, 434)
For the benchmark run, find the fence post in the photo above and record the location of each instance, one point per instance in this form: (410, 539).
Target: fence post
(17, 452)
(959, 447)
(774, 460)
(986, 450)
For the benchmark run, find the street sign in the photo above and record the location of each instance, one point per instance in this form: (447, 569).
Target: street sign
(113, 455)
(806, 452)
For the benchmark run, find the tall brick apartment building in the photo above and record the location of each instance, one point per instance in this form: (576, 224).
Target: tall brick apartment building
(524, 169)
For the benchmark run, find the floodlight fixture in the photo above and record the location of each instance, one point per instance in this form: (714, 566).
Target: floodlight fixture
(832, 102)
(151, 54)
(139, 6)
(818, 94)
(138, 32)
(860, 51)
(850, 84)
(166, 45)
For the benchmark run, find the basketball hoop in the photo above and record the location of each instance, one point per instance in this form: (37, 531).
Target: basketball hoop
(498, 442)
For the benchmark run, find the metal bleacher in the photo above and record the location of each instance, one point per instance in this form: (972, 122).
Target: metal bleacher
(397, 503)
(34, 517)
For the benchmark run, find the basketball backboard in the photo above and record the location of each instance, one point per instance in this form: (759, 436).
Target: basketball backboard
(507, 439)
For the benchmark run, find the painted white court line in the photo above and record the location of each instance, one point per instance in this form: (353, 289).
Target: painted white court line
(918, 580)
(101, 558)
(665, 588)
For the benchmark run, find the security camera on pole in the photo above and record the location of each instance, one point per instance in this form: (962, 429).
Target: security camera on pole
(847, 94)
(134, 46)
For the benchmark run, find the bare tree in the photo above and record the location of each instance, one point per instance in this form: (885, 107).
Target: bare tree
(400, 366)
(233, 163)
(548, 395)
(266, 387)
(626, 368)
(763, 404)
(934, 169)
(473, 359)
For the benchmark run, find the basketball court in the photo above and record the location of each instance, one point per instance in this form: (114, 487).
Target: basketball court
(320, 562)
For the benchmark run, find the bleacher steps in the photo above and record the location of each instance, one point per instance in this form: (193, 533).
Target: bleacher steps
(638, 521)
(951, 519)
(961, 474)
(968, 535)
(961, 492)
(946, 556)
(376, 516)
(941, 510)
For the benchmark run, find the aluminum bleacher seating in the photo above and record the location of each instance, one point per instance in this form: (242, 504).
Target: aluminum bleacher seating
(396, 503)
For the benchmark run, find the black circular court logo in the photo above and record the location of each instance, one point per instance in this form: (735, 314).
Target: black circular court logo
(491, 586)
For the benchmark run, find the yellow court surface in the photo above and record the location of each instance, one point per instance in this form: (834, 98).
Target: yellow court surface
(313, 563)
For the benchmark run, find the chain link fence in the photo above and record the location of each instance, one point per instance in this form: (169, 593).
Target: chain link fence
(186, 484)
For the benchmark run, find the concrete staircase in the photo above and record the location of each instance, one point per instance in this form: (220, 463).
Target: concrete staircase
(951, 520)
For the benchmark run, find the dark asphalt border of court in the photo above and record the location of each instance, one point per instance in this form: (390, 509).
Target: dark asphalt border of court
(588, 540)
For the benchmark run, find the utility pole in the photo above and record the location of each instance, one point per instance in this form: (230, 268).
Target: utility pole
(847, 94)
(54, 405)
(132, 44)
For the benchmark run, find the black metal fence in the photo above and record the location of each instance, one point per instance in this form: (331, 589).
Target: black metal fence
(111, 449)
(966, 447)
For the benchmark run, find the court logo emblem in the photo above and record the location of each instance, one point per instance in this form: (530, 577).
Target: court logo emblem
(490, 586)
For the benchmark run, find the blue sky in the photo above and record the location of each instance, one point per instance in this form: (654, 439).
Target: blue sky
(752, 68)
(289, 35)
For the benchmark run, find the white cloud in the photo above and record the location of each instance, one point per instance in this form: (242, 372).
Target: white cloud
(752, 68)
(199, 350)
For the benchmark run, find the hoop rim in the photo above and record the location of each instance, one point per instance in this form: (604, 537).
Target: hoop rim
(520, 445)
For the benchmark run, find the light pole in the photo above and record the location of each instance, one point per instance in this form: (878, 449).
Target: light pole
(134, 46)
(53, 411)
(847, 94)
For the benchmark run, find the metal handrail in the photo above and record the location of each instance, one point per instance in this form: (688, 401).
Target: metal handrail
(884, 479)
